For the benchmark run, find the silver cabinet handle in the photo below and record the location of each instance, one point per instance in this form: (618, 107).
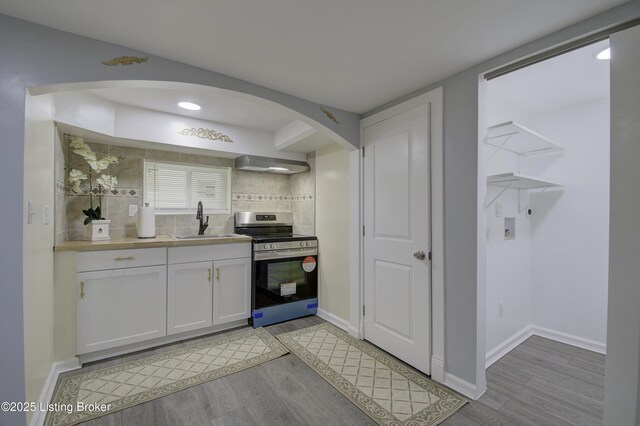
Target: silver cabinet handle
(124, 258)
(420, 255)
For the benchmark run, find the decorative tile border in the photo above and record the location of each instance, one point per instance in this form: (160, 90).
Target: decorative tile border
(116, 192)
(271, 197)
(302, 197)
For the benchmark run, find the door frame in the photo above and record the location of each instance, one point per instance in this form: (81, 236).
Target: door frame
(434, 101)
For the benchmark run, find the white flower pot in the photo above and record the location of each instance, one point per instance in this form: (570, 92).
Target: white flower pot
(97, 230)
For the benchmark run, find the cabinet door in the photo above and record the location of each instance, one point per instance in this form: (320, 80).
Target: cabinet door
(189, 296)
(120, 306)
(231, 290)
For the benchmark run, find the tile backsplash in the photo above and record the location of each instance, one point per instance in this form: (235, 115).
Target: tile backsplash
(251, 191)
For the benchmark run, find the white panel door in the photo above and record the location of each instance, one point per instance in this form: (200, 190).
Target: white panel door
(397, 275)
(231, 290)
(120, 306)
(189, 296)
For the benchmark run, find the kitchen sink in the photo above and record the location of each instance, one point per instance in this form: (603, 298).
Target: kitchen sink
(203, 237)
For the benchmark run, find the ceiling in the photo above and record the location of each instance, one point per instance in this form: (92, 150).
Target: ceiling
(571, 79)
(216, 106)
(350, 54)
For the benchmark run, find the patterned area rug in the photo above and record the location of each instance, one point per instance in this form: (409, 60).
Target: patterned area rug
(140, 381)
(386, 390)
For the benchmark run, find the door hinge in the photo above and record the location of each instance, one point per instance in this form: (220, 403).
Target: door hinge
(363, 152)
(429, 255)
(363, 230)
(362, 310)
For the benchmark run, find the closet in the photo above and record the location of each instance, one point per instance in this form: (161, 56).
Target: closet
(545, 160)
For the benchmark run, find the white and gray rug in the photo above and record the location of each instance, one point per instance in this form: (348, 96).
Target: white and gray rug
(140, 381)
(383, 388)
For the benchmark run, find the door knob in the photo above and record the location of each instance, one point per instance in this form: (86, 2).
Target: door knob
(420, 255)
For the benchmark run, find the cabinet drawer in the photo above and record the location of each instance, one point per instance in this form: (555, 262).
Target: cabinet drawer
(116, 259)
(212, 252)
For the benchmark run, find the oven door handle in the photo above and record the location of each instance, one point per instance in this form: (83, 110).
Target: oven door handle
(283, 254)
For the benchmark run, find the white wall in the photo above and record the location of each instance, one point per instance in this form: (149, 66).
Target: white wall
(570, 229)
(554, 274)
(37, 247)
(332, 229)
(509, 277)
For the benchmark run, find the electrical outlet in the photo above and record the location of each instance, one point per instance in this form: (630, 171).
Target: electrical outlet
(500, 309)
(133, 209)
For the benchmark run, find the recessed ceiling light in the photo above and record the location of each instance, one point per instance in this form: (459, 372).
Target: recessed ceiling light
(189, 105)
(605, 54)
(283, 169)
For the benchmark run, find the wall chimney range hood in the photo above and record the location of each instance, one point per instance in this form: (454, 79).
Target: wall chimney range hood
(255, 163)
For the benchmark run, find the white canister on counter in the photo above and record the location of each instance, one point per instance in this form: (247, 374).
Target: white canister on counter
(146, 223)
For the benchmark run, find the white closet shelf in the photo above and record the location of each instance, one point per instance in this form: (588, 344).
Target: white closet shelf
(514, 137)
(519, 181)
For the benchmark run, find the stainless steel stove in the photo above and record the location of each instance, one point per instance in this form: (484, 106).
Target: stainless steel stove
(285, 267)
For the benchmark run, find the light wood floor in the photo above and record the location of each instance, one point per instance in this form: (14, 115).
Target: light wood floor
(541, 382)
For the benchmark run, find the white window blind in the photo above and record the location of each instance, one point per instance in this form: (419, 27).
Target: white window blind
(177, 188)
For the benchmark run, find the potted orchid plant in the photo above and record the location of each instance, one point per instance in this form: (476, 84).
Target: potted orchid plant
(97, 227)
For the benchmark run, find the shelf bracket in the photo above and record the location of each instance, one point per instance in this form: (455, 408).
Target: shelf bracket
(498, 148)
(498, 196)
(531, 198)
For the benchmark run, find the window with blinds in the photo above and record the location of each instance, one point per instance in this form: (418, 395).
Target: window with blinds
(177, 188)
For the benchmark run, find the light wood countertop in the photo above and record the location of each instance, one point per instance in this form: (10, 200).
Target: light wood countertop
(134, 243)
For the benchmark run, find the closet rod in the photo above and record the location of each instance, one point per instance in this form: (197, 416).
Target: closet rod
(560, 50)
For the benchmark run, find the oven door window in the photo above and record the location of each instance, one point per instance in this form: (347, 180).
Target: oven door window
(281, 281)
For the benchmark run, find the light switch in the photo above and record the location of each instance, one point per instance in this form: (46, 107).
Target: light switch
(29, 212)
(498, 210)
(47, 215)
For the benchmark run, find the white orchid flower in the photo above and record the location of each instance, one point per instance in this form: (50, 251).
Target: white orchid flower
(82, 149)
(101, 165)
(75, 177)
(107, 182)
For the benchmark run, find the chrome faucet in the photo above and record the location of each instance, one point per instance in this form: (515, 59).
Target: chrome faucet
(200, 217)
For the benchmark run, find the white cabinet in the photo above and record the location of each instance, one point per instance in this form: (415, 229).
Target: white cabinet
(136, 295)
(120, 306)
(189, 296)
(231, 290)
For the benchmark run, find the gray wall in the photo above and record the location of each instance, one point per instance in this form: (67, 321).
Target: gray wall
(622, 370)
(461, 100)
(33, 55)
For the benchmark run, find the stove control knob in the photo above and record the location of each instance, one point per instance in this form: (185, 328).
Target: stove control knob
(308, 243)
(302, 244)
(273, 246)
(266, 246)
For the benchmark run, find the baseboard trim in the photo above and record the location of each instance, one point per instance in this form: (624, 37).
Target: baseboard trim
(333, 319)
(508, 345)
(354, 332)
(570, 339)
(49, 386)
(437, 370)
(520, 336)
(461, 386)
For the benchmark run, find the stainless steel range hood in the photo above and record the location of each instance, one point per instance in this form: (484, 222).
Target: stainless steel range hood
(255, 163)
